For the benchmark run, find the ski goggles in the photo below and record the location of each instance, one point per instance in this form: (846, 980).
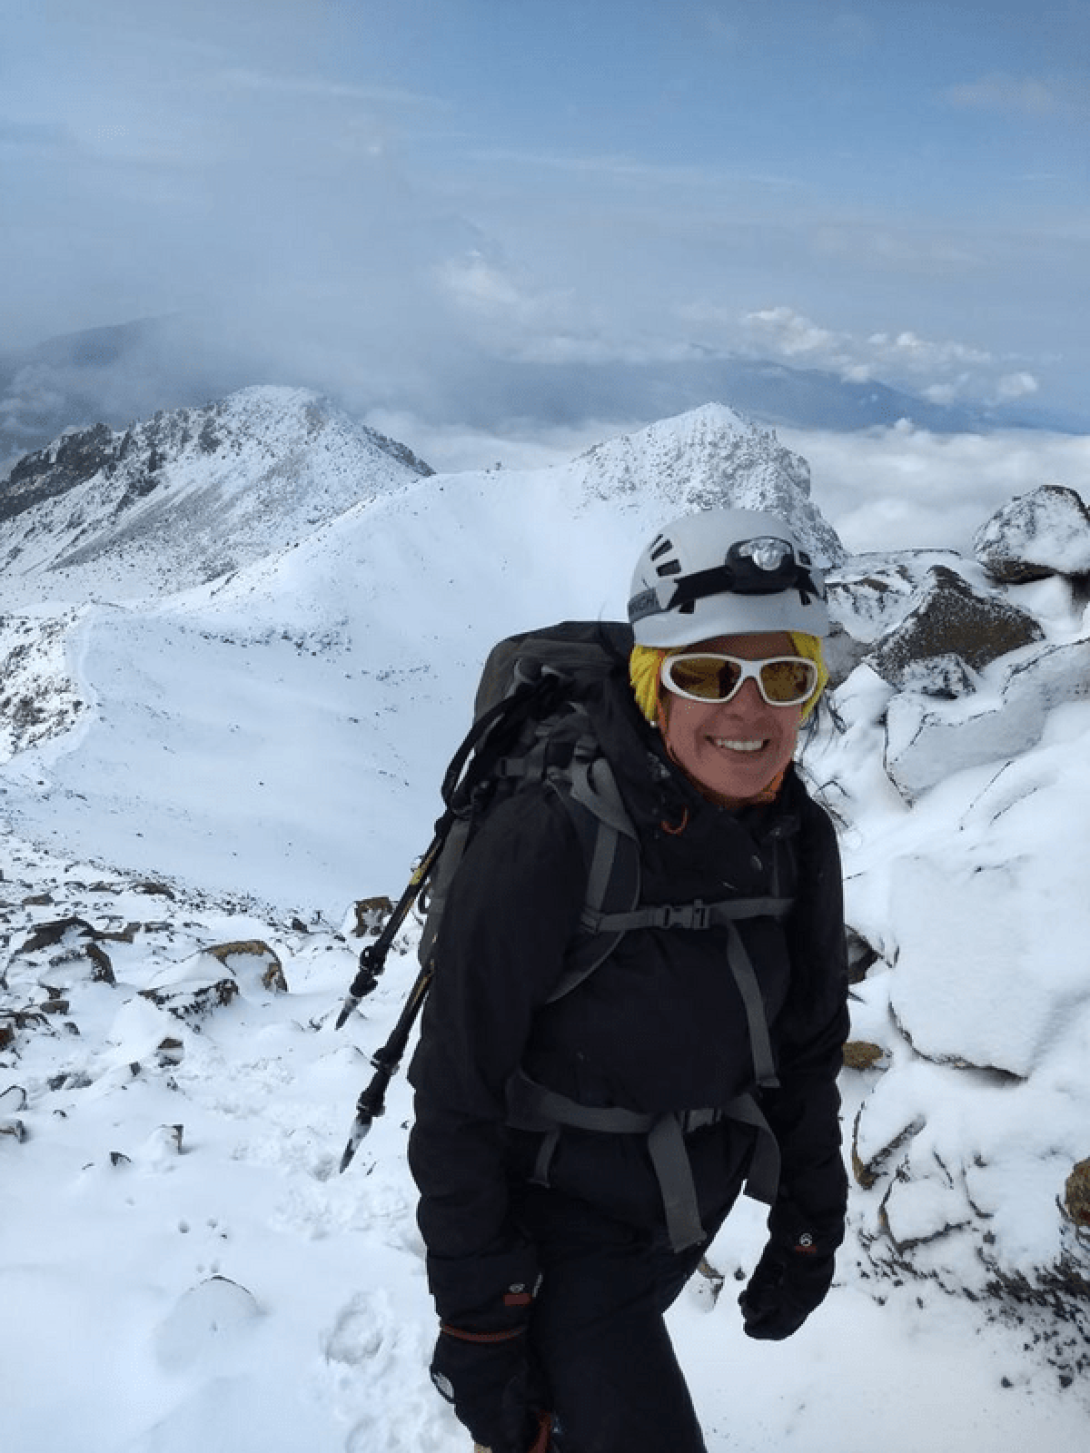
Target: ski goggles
(710, 677)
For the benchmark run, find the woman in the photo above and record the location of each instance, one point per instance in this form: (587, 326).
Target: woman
(553, 1254)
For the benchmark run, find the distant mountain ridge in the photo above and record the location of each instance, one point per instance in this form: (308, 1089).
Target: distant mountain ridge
(192, 495)
(127, 371)
(187, 495)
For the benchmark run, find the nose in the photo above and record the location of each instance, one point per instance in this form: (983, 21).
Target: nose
(748, 698)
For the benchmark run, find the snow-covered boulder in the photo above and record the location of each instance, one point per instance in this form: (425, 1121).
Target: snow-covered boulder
(928, 740)
(1043, 533)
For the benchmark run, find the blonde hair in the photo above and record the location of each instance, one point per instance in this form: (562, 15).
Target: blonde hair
(645, 665)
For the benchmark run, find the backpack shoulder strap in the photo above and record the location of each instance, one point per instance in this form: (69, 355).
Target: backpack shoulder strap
(590, 793)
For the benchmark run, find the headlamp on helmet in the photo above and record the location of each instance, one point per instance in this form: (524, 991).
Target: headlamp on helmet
(722, 573)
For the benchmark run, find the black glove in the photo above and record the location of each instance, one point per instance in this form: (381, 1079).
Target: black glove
(487, 1378)
(787, 1284)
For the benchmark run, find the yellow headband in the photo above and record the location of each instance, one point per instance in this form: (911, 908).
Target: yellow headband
(645, 663)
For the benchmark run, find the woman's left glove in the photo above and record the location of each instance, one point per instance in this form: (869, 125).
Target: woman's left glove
(486, 1375)
(787, 1284)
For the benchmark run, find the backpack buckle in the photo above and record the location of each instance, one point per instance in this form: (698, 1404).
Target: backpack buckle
(687, 915)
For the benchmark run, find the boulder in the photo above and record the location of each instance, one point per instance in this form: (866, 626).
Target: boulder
(950, 618)
(928, 740)
(1043, 533)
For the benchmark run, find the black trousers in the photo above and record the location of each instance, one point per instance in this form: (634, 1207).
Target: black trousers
(597, 1331)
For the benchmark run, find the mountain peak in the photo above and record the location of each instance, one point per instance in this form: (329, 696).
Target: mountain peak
(712, 457)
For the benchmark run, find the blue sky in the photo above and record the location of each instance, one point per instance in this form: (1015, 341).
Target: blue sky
(406, 189)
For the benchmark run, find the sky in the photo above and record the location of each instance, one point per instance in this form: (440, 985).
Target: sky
(398, 200)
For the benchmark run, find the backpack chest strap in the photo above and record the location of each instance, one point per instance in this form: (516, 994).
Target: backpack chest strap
(695, 915)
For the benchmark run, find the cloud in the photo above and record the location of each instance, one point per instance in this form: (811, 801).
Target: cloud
(943, 370)
(1019, 95)
(906, 488)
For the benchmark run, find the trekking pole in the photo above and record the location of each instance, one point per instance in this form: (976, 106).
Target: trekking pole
(373, 958)
(372, 1101)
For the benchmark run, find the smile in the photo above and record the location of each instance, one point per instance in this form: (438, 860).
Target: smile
(737, 746)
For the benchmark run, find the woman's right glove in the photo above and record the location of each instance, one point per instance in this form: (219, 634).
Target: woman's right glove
(486, 1376)
(787, 1284)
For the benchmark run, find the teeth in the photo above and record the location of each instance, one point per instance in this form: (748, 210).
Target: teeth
(738, 746)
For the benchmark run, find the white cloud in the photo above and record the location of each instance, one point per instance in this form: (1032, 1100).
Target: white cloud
(943, 370)
(1024, 95)
(907, 488)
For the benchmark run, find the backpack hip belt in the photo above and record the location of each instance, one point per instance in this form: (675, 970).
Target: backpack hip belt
(534, 1107)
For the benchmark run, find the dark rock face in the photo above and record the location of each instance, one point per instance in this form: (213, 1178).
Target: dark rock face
(1043, 533)
(53, 471)
(949, 619)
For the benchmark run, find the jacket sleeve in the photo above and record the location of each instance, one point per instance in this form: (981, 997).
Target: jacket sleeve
(805, 1111)
(513, 908)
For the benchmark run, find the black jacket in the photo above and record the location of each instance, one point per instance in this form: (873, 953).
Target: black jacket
(659, 1026)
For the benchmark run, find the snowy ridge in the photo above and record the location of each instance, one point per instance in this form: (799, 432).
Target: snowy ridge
(186, 496)
(252, 754)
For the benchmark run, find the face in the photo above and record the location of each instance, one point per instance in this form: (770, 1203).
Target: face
(734, 748)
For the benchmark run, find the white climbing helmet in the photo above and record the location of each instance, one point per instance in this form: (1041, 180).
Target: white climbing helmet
(724, 573)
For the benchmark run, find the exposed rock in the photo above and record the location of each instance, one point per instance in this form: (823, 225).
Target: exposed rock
(190, 1002)
(147, 511)
(868, 1168)
(102, 971)
(1076, 1199)
(861, 955)
(272, 976)
(1043, 533)
(371, 914)
(842, 653)
(860, 1054)
(70, 460)
(949, 618)
(169, 1052)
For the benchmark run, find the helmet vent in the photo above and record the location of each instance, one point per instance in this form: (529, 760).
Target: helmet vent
(660, 547)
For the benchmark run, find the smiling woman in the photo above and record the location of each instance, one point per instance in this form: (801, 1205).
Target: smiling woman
(578, 1142)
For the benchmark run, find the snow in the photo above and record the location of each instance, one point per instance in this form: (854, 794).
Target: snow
(182, 1264)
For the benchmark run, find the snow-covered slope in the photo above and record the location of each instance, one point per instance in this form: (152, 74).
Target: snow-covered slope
(200, 785)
